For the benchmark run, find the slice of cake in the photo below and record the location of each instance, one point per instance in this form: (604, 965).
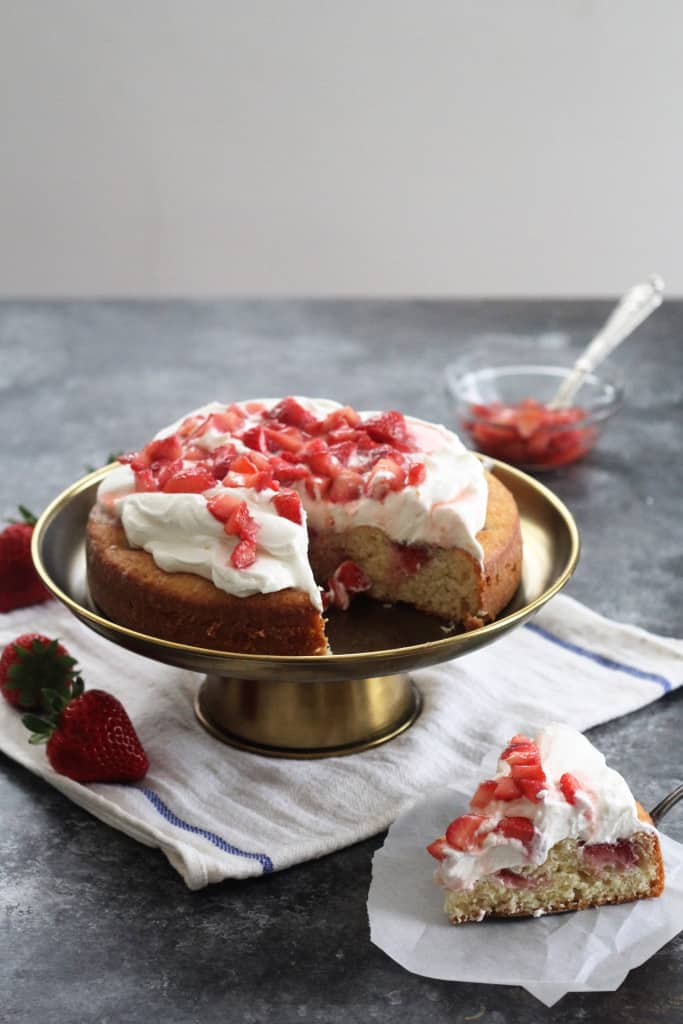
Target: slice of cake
(238, 525)
(554, 830)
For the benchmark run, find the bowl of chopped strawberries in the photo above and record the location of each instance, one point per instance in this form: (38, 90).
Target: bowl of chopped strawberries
(504, 404)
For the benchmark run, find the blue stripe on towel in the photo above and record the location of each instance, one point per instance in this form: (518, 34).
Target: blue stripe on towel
(600, 659)
(173, 819)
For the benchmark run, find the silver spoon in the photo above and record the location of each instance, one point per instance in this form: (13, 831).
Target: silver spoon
(635, 306)
(665, 805)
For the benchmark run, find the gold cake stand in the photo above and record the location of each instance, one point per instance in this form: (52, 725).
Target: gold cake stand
(308, 707)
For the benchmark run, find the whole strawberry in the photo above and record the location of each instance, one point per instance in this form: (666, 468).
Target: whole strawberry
(20, 584)
(32, 663)
(89, 736)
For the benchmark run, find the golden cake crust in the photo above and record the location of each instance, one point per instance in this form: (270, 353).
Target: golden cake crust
(127, 586)
(501, 541)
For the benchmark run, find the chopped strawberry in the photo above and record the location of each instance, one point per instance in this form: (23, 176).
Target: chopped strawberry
(347, 580)
(192, 426)
(244, 554)
(145, 480)
(241, 523)
(344, 451)
(163, 471)
(228, 421)
(516, 828)
(335, 595)
(532, 788)
(254, 407)
(318, 486)
(417, 474)
(365, 442)
(507, 789)
(127, 458)
(288, 505)
(353, 577)
(137, 460)
(166, 449)
(530, 433)
(287, 472)
(222, 505)
(340, 419)
(389, 426)
(190, 481)
(343, 436)
(570, 785)
(261, 461)
(194, 453)
(527, 771)
(386, 476)
(461, 834)
(238, 479)
(483, 796)
(372, 456)
(243, 464)
(287, 438)
(528, 420)
(620, 855)
(316, 446)
(512, 880)
(256, 438)
(347, 486)
(522, 755)
(223, 457)
(412, 556)
(294, 458)
(521, 750)
(325, 464)
(439, 848)
(292, 414)
(262, 481)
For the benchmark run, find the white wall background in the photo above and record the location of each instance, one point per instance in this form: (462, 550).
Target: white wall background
(198, 147)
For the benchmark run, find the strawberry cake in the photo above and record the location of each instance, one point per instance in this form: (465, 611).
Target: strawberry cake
(554, 830)
(237, 526)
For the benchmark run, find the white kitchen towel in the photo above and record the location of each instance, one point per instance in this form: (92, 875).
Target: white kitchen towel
(220, 813)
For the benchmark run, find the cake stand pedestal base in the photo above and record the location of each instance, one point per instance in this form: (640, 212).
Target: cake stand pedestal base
(281, 718)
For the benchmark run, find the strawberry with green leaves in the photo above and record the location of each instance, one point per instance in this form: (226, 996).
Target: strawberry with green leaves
(89, 736)
(20, 584)
(32, 663)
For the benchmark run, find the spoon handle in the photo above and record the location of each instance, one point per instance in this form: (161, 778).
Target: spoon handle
(634, 307)
(665, 805)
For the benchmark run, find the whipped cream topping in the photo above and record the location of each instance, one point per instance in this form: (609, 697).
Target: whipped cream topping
(447, 508)
(181, 535)
(604, 812)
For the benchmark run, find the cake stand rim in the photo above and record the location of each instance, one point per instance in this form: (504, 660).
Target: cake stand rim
(443, 649)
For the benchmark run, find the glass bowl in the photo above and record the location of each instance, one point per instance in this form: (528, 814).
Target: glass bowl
(501, 405)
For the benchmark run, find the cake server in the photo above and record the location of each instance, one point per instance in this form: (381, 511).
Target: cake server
(665, 805)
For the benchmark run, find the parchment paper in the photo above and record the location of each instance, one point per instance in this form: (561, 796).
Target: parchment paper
(583, 951)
